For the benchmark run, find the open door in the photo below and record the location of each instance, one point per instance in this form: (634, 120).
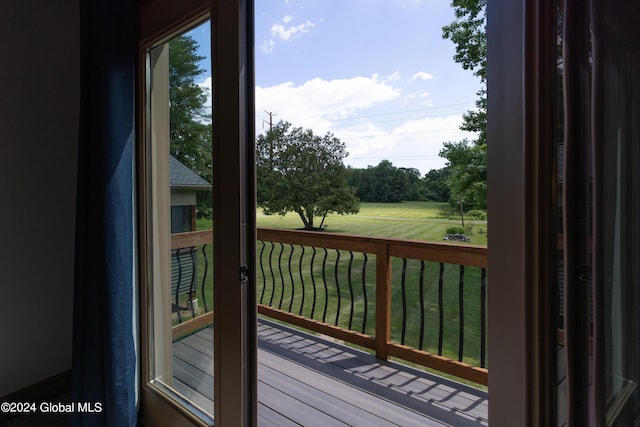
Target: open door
(197, 281)
(563, 132)
(601, 121)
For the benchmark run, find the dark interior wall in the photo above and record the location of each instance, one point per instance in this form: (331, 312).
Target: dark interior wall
(39, 101)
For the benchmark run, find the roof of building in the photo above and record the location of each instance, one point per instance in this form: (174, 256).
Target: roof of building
(183, 177)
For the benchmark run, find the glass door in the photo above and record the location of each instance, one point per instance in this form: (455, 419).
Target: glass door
(598, 157)
(616, 127)
(179, 253)
(196, 190)
(563, 131)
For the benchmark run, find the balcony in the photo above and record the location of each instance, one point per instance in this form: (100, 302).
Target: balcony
(369, 307)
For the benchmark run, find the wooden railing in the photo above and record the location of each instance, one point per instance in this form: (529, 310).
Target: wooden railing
(417, 301)
(332, 284)
(199, 241)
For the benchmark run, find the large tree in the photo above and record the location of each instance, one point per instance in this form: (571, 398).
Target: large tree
(468, 161)
(189, 124)
(304, 173)
(467, 164)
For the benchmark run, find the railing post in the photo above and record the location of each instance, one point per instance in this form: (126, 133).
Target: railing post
(383, 300)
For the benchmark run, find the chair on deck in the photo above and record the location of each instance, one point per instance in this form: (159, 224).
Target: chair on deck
(183, 277)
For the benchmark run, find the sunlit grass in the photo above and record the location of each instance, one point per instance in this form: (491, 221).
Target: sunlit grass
(406, 220)
(415, 210)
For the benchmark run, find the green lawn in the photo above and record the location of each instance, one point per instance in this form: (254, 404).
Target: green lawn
(406, 220)
(414, 210)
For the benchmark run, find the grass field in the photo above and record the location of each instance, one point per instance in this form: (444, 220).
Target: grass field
(407, 220)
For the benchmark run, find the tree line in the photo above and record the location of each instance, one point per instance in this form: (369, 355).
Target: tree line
(386, 183)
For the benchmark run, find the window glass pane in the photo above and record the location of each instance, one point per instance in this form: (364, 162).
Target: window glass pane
(182, 219)
(619, 66)
(180, 177)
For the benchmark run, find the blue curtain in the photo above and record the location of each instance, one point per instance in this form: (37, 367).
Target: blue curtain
(104, 358)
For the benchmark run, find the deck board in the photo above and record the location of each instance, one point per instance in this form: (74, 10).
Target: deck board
(194, 378)
(301, 412)
(267, 417)
(307, 380)
(328, 395)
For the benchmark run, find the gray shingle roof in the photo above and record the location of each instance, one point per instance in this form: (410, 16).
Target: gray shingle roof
(183, 177)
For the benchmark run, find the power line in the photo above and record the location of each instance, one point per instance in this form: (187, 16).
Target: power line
(349, 159)
(404, 111)
(401, 119)
(393, 135)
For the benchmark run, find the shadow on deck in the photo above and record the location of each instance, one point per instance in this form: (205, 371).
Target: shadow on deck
(309, 380)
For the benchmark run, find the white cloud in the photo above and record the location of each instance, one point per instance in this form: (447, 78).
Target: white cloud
(414, 143)
(351, 109)
(282, 32)
(423, 98)
(267, 46)
(365, 113)
(292, 32)
(421, 75)
(418, 95)
(318, 103)
(394, 77)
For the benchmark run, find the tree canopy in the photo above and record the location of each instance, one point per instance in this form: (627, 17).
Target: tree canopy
(304, 173)
(189, 125)
(386, 183)
(436, 186)
(469, 33)
(467, 178)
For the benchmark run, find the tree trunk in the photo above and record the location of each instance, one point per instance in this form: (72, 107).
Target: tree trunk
(323, 218)
(303, 218)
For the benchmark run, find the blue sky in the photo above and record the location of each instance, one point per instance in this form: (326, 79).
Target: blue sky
(375, 73)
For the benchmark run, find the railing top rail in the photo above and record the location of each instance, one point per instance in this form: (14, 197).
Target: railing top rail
(191, 238)
(446, 252)
(319, 239)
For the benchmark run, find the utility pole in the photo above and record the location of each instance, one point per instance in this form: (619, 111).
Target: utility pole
(271, 114)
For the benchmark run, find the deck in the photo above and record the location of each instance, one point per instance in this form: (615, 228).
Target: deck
(306, 380)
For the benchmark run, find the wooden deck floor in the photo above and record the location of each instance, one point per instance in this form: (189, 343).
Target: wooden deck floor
(304, 380)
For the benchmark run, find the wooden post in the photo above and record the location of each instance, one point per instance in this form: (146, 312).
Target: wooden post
(383, 301)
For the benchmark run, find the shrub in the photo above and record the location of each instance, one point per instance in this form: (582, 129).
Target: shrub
(456, 230)
(204, 212)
